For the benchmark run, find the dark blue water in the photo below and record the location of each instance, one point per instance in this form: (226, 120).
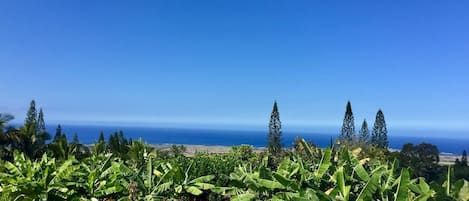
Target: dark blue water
(90, 134)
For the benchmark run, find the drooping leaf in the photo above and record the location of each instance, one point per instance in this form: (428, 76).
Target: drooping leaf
(324, 164)
(193, 190)
(402, 189)
(244, 197)
(370, 188)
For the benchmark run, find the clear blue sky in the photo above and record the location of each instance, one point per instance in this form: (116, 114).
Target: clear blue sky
(223, 63)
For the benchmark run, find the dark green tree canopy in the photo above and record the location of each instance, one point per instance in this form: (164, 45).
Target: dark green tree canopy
(347, 133)
(75, 139)
(41, 125)
(42, 135)
(364, 133)
(58, 133)
(30, 123)
(100, 146)
(118, 144)
(275, 131)
(464, 158)
(4, 119)
(34, 130)
(422, 159)
(379, 136)
(101, 136)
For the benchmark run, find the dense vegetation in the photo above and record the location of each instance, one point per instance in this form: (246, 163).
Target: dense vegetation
(32, 168)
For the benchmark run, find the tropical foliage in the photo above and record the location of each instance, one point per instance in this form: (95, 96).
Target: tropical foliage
(122, 169)
(334, 175)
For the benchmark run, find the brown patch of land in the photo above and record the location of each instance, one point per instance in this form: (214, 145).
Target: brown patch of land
(448, 159)
(192, 149)
(445, 159)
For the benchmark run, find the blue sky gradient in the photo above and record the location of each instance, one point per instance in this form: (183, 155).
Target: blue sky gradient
(223, 63)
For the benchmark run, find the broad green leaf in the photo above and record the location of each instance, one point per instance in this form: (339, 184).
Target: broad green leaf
(463, 193)
(204, 186)
(203, 179)
(178, 189)
(269, 184)
(448, 181)
(193, 190)
(307, 148)
(244, 197)
(324, 164)
(370, 188)
(286, 182)
(361, 172)
(402, 188)
(149, 175)
(162, 188)
(344, 190)
(390, 177)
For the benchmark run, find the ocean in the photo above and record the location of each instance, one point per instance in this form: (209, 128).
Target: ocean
(90, 134)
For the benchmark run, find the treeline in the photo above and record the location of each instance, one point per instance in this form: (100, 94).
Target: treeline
(352, 168)
(423, 159)
(378, 137)
(379, 134)
(33, 140)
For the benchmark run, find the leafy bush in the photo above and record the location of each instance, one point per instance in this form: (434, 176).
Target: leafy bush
(305, 174)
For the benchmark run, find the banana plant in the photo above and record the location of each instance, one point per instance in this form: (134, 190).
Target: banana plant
(183, 184)
(458, 190)
(286, 183)
(249, 184)
(43, 180)
(101, 177)
(161, 180)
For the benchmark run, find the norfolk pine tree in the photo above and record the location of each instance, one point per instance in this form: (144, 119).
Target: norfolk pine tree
(100, 147)
(464, 158)
(348, 127)
(379, 137)
(274, 139)
(41, 125)
(364, 133)
(29, 130)
(42, 135)
(58, 133)
(101, 137)
(30, 123)
(59, 145)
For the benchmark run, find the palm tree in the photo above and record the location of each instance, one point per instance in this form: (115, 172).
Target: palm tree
(4, 119)
(10, 137)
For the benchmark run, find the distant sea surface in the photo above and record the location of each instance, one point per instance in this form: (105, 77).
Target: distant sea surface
(90, 134)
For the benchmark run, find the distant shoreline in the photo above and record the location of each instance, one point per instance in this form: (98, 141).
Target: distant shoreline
(191, 149)
(156, 135)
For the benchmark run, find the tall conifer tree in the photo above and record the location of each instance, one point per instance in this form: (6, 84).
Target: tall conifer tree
(101, 145)
(75, 139)
(101, 137)
(275, 131)
(58, 133)
(364, 133)
(379, 135)
(464, 158)
(29, 139)
(30, 123)
(41, 132)
(41, 125)
(348, 127)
